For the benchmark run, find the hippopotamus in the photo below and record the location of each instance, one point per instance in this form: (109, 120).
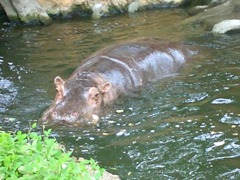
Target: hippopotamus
(112, 71)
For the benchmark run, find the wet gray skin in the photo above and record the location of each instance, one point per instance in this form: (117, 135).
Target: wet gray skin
(71, 102)
(114, 70)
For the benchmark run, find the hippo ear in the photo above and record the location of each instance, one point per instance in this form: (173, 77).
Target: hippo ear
(93, 95)
(105, 87)
(58, 81)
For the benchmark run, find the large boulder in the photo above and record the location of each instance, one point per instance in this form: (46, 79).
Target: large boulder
(99, 8)
(9, 9)
(25, 11)
(38, 11)
(229, 10)
(226, 26)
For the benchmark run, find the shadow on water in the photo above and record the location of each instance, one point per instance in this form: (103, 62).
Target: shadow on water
(184, 127)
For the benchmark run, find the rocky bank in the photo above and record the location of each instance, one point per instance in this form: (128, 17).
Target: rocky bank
(218, 16)
(41, 11)
(221, 18)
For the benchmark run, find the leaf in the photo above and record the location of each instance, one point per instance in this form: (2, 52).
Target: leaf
(29, 156)
(34, 125)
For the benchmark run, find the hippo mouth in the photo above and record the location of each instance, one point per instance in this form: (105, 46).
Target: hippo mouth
(73, 118)
(66, 118)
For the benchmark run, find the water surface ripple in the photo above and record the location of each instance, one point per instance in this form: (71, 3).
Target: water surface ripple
(184, 127)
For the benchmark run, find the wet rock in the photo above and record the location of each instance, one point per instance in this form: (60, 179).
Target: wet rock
(9, 9)
(133, 7)
(38, 11)
(226, 26)
(108, 176)
(200, 8)
(98, 10)
(107, 8)
(26, 11)
(209, 17)
(105, 176)
(214, 3)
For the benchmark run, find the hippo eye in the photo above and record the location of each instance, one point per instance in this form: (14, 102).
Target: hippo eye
(96, 96)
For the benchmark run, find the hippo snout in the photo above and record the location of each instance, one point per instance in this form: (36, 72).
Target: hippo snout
(66, 117)
(69, 118)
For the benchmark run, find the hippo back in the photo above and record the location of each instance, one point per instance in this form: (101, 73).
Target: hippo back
(132, 64)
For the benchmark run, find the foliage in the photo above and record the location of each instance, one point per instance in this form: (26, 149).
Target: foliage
(31, 156)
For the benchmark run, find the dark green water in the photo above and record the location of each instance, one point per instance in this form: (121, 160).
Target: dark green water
(184, 127)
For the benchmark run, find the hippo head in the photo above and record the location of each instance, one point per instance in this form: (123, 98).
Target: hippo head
(78, 100)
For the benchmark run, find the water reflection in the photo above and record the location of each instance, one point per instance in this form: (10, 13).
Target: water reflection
(184, 127)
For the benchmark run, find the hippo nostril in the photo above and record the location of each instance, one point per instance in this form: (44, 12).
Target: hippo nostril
(74, 114)
(54, 114)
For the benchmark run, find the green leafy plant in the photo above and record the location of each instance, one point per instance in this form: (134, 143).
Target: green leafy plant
(32, 156)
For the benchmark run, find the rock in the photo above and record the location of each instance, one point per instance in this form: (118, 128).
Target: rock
(104, 7)
(9, 9)
(29, 11)
(200, 8)
(226, 25)
(208, 18)
(107, 176)
(56, 7)
(38, 11)
(214, 3)
(26, 11)
(197, 9)
(98, 10)
(133, 7)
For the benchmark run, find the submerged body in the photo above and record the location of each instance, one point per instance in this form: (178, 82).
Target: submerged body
(114, 70)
